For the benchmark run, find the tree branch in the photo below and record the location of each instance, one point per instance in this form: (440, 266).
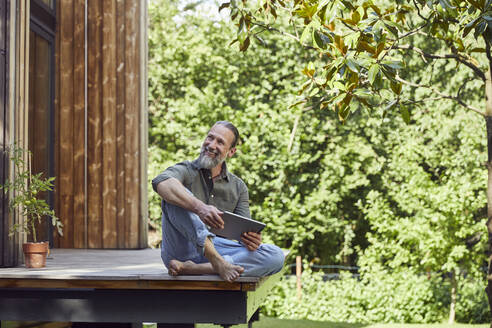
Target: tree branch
(413, 31)
(273, 29)
(442, 95)
(489, 55)
(395, 42)
(458, 95)
(418, 11)
(457, 57)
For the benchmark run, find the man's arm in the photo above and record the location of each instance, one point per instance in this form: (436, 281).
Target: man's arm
(173, 192)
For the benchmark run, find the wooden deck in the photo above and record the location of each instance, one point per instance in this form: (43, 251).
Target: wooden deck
(125, 286)
(129, 269)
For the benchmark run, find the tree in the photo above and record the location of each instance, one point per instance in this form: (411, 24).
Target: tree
(293, 177)
(364, 48)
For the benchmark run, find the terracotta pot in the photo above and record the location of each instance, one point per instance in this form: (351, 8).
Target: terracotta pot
(35, 254)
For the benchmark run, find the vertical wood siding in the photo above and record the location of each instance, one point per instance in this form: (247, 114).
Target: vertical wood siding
(120, 124)
(94, 129)
(18, 107)
(78, 218)
(66, 126)
(109, 124)
(96, 178)
(3, 134)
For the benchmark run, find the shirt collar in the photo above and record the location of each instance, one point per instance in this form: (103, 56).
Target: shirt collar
(224, 173)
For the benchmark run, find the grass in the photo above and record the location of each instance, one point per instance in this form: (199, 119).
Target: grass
(266, 322)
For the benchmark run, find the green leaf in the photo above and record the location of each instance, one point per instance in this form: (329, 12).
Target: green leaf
(339, 86)
(391, 105)
(396, 87)
(405, 114)
(313, 92)
(352, 65)
(305, 86)
(317, 40)
(356, 17)
(305, 34)
(302, 101)
(343, 112)
(339, 98)
(446, 5)
(393, 30)
(393, 64)
(373, 72)
(479, 29)
(260, 40)
(224, 5)
(244, 46)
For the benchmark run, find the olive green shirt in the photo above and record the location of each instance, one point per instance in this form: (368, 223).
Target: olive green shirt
(227, 192)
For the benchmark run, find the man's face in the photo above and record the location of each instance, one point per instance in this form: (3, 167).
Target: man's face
(216, 147)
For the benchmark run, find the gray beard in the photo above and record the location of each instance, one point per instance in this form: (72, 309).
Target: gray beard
(206, 162)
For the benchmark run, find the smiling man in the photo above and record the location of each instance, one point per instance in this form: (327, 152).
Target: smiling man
(194, 196)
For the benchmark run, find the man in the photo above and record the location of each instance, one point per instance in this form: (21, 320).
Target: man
(194, 195)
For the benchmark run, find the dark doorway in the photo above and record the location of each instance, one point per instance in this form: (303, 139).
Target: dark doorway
(41, 96)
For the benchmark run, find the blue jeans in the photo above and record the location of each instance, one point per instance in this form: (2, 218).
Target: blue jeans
(183, 239)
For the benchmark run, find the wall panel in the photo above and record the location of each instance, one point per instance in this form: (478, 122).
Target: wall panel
(3, 132)
(65, 113)
(109, 230)
(108, 107)
(94, 128)
(79, 144)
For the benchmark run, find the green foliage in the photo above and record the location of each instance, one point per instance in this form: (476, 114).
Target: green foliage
(373, 191)
(363, 45)
(377, 296)
(27, 189)
(309, 177)
(433, 202)
(303, 177)
(472, 305)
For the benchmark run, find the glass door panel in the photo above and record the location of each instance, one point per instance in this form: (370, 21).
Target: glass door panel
(40, 113)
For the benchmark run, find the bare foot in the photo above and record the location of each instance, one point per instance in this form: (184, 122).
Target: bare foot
(227, 271)
(177, 267)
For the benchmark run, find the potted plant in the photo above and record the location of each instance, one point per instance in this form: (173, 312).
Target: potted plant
(27, 189)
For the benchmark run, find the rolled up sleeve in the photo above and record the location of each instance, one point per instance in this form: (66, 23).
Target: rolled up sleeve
(178, 171)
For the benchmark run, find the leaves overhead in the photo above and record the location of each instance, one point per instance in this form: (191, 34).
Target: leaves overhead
(362, 44)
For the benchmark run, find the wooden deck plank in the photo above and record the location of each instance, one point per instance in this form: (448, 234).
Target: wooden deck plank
(123, 284)
(132, 268)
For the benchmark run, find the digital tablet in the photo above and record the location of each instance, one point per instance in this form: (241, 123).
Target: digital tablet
(235, 225)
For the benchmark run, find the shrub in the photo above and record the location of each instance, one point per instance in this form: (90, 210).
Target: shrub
(376, 296)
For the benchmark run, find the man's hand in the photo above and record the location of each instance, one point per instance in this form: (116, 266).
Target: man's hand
(211, 216)
(252, 240)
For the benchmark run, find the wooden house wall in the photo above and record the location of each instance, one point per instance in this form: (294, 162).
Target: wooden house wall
(100, 123)
(14, 89)
(5, 257)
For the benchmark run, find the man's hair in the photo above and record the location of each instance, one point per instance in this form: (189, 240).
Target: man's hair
(233, 129)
